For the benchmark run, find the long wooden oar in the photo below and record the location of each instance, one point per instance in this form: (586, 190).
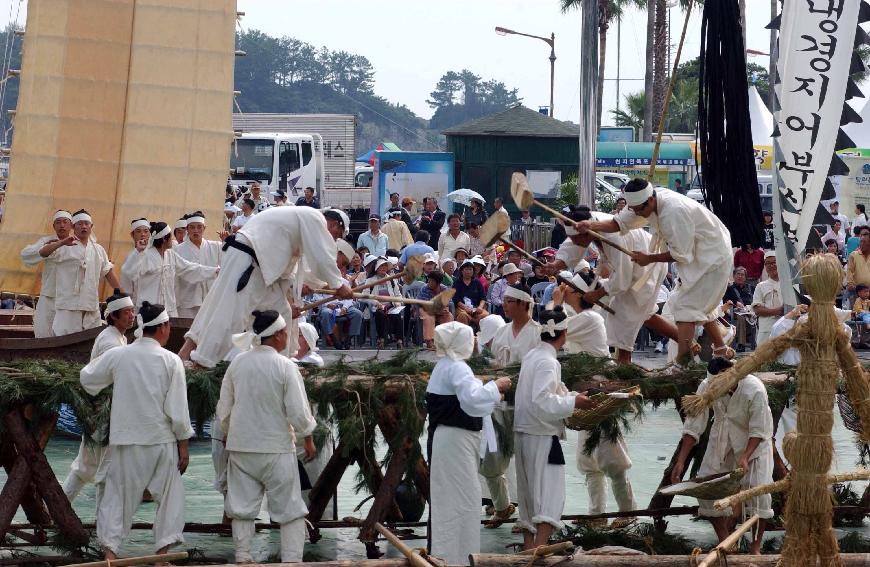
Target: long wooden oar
(413, 558)
(412, 271)
(524, 198)
(129, 561)
(434, 307)
(728, 542)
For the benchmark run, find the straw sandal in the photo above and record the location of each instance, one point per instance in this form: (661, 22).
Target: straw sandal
(725, 352)
(500, 517)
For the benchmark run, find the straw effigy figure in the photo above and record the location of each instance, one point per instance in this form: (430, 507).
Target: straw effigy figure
(825, 353)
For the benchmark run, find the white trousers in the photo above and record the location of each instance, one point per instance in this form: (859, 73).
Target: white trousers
(83, 469)
(495, 467)
(608, 460)
(187, 312)
(540, 485)
(315, 467)
(226, 311)
(760, 472)
(43, 317)
(126, 471)
(292, 540)
(455, 494)
(67, 322)
(251, 475)
(632, 310)
(698, 303)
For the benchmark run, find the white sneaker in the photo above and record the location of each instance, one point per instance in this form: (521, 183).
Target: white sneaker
(658, 349)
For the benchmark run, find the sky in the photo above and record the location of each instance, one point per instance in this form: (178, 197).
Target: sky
(411, 44)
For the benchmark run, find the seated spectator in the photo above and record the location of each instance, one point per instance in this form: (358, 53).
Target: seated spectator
(548, 291)
(517, 259)
(479, 269)
(432, 288)
(429, 266)
(388, 315)
(861, 308)
(510, 275)
(448, 268)
(333, 316)
(539, 275)
(419, 248)
(470, 299)
(460, 255)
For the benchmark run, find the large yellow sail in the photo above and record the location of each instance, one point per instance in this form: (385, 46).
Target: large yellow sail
(124, 109)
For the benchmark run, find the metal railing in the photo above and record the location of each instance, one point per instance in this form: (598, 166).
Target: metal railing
(534, 236)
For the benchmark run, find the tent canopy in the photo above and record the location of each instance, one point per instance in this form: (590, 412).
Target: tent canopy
(761, 118)
(369, 156)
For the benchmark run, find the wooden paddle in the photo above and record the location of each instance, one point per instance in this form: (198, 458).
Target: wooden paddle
(524, 198)
(491, 232)
(433, 307)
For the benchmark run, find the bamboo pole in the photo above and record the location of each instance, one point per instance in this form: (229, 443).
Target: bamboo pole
(729, 542)
(414, 558)
(546, 550)
(586, 560)
(164, 558)
(783, 486)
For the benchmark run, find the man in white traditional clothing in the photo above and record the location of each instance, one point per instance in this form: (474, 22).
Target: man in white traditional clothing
(767, 299)
(632, 287)
(120, 315)
(609, 459)
(148, 434)
(140, 232)
(263, 409)
(43, 250)
(542, 403)
(741, 438)
(511, 343)
(157, 267)
(260, 270)
(81, 266)
(196, 250)
(687, 233)
(459, 407)
(179, 232)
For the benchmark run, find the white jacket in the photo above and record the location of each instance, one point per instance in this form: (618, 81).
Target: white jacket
(155, 276)
(30, 257)
(190, 294)
(542, 401)
(509, 349)
(80, 269)
(110, 338)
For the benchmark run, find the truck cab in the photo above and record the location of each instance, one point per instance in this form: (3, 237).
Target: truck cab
(276, 160)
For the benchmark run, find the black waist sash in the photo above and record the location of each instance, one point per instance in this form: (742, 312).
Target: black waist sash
(231, 242)
(444, 409)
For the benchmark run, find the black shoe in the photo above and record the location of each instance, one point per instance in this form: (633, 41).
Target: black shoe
(741, 348)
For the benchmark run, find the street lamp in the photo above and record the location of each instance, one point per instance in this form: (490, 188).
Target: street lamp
(551, 41)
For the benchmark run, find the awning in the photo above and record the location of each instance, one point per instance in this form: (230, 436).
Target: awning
(633, 154)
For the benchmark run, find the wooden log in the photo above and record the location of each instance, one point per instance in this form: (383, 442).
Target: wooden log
(334, 563)
(141, 560)
(325, 486)
(33, 506)
(389, 424)
(545, 550)
(46, 483)
(17, 483)
(585, 560)
(729, 542)
(413, 557)
(385, 495)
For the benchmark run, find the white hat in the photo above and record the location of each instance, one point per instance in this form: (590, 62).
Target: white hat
(566, 274)
(769, 254)
(381, 261)
(510, 268)
(393, 260)
(429, 257)
(345, 248)
(369, 259)
(582, 265)
(489, 326)
(447, 259)
(262, 207)
(478, 260)
(231, 208)
(454, 340)
(308, 331)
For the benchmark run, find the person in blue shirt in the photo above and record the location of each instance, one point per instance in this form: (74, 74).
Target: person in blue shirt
(375, 240)
(419, 248)
(854, 241)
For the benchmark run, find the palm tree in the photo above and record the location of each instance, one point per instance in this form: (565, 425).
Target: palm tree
(632, 115)
(607, 11)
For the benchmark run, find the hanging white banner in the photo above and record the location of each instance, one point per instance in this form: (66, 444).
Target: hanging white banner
(816, 44)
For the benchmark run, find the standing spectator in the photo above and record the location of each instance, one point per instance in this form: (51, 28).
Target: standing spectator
(432, 288)
(837, 233)
(858, 270)
(453, 239)
(256, 196)
(860, 216)
(431, 220)
(418, 248)
(739, 294)
(831, 247)
(835, 212)
(307, 199)
(767, 300)
(397, 231)
(526, 217)
(620, 204)
(476, 247)
(247, 212)
(407, 205)
(375, 240)
(678, 186)
(767, 228)
(752, 259)
(475, 214)
(500, 210)
(853, 241)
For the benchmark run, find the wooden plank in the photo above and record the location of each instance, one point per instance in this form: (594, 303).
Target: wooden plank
(586, 560)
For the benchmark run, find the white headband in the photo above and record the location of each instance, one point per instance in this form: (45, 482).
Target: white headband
(244, 341)
(636, 198)
(198, 219)
(61, 215)
(162, 234)
(118, 304)
(159, 320)
(141, 223)
(550, 327)
(518, 294)
(181, 223)
(82, 217)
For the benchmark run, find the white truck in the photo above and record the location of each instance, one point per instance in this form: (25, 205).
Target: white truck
(295, 151)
